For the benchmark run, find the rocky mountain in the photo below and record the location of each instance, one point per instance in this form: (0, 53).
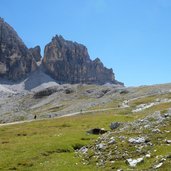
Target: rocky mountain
(36, 53)
(69, 62)
(65, 61)
(15, 59)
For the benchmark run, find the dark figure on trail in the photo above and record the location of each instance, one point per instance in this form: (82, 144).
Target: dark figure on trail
(35, 116)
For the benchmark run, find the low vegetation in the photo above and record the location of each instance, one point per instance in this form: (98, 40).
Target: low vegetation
(55, 143)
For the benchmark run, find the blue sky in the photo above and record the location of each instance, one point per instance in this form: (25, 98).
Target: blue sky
(131, 36)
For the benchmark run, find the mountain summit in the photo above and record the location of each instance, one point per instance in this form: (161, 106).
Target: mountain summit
(69, 62)
(65, 61)
(15, 59)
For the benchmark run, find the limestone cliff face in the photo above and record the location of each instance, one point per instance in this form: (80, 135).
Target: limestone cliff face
(65, 61)
(15, 59)
(36, 53)
(69, 62)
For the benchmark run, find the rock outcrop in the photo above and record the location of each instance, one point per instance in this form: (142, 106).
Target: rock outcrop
(69, 62)
(36, 53)
(15, 59)
(65, 61)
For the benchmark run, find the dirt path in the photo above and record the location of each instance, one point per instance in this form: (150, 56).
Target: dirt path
(65, 115)
(75, 113)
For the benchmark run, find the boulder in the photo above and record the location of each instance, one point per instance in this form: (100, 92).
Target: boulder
(134, 162)
(137, 140)
(101, 146)
(97, 131)
(83, 150)
(114, 125)
(45, 92)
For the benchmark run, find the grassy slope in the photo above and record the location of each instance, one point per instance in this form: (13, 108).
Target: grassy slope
(49, 145)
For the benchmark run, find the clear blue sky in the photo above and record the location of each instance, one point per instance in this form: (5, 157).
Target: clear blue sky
(131, 36)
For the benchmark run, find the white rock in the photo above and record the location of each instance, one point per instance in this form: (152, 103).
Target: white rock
(134, 162)
(168, 141)
(163, 159)
(147, 126)
(137, 140)
(83, 150)
(143, 107)
(100, 146)
(158, 165)
(150, 143)
(166, 131)
(112, 140)
(156, 130)
(147, 155)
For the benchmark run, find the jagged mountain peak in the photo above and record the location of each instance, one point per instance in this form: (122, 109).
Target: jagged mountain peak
(36, 52)
(66, 61)
(69, 62)
(15, 59)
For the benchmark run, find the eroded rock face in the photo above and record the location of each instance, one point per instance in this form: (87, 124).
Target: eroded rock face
(15, 59)
(36, 53)
(69, 62)
(65, 61)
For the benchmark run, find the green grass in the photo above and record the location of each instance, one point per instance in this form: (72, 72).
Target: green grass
(112, 104)
(49, 145)
(160, 149)
(149, 99)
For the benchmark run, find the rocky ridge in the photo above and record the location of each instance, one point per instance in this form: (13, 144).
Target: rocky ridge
(36, 53)
(15, 59)
(69, 62)
(65, 61)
